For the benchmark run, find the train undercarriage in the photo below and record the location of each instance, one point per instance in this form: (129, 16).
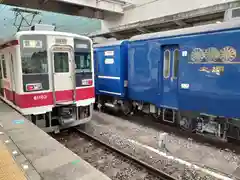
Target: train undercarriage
(61, 117)
(210, 126)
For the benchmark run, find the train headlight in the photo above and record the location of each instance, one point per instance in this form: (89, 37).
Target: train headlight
(87, 82)
(90, 82)
(30, 87)
(34, 87)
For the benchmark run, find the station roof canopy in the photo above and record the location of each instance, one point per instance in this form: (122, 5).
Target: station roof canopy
(207, 15)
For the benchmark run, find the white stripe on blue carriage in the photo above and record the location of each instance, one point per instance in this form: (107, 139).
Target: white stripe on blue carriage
(109, 77)
(109, 92)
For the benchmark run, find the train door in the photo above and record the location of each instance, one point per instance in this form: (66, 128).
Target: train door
(95, 65)
(170, 76)
(63, 76)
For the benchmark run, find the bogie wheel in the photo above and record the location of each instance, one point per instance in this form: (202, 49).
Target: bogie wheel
(126, 107)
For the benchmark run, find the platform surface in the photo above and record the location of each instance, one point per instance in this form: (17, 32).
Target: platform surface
(9, 170)
(37, 154)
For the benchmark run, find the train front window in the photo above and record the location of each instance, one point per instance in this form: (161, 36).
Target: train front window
(34, 56)
(83, 62)
(34, 62)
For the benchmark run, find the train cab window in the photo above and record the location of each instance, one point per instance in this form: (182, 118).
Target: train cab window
(4, 67)
(61, 62)
(175, 63)
(166, 64)
(83, 62)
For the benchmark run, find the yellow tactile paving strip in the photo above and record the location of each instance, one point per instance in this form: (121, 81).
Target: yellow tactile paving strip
(9, 170)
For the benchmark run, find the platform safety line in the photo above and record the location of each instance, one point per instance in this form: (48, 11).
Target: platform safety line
(216, 175)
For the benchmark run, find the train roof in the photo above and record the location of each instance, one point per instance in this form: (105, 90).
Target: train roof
(109, 43)
(57, 33)
(192, 30)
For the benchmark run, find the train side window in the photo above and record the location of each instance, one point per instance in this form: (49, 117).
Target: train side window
(175, 63)
(1, 69)
(61, 62)
(4, 67)
(12, 69)
(166, 65)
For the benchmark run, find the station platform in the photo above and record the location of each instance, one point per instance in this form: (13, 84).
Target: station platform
(8, 167)
(28, 153)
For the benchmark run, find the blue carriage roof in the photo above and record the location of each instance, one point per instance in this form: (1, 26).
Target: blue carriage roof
(192, 30)
(109, 43)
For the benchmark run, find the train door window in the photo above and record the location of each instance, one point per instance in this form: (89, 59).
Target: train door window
(4, 66)
(175, 63)
(166, 64)
(61, 62)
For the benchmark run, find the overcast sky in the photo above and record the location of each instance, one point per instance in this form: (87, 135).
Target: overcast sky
(64, 23)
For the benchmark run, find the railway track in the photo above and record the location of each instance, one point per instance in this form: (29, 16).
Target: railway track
(149, 121)
(148, 168)
(131, 134)
(108, 159)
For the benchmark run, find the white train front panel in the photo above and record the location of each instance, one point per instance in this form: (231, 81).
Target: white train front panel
(41, 70)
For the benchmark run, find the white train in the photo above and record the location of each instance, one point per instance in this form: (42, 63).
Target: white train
(48, 76)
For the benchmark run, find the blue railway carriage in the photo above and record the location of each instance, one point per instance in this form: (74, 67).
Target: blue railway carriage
(189, 77)
(111, 75)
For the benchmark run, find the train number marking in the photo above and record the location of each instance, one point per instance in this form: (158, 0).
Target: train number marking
(215, 69)
(109, 61)
(185, 86)
(184, 53)
(109, 53)
(40, 97)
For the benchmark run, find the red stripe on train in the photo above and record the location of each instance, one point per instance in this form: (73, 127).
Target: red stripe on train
(45, 99)
(9, 43)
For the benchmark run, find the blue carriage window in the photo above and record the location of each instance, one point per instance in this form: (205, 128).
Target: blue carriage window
(166, 64)
(175, 63)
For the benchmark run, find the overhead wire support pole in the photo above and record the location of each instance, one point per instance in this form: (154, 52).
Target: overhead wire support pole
(23, 18)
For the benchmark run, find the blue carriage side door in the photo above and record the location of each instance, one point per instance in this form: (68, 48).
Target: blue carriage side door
(170, 66)
(95, 59)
